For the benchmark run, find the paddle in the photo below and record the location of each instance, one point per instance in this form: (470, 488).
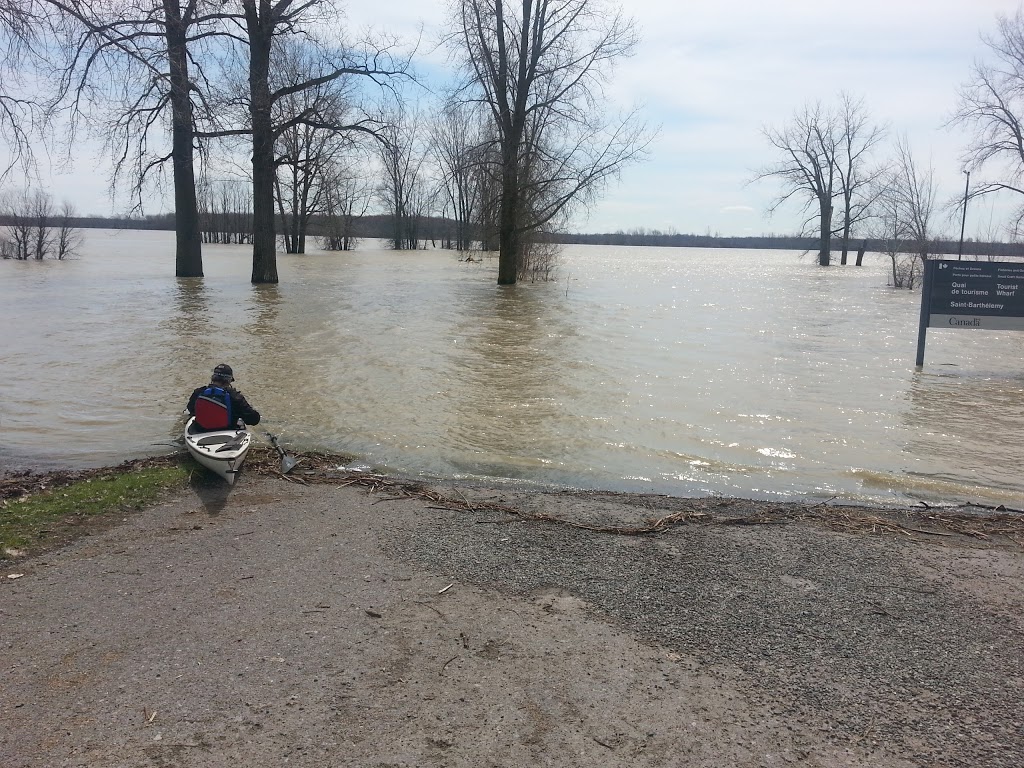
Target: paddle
(287, 462)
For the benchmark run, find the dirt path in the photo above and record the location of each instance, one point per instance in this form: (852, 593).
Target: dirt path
(325, 626)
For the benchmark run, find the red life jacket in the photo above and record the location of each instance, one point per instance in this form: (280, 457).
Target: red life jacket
(213, 409)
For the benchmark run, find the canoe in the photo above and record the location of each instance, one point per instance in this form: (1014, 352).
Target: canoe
(221, 452)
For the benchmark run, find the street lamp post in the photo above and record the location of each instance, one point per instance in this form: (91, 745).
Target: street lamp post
(963, 219)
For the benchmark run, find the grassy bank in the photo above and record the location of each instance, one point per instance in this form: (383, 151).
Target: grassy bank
(40, 512)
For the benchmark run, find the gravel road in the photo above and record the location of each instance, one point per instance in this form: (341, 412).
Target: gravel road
(282, 624)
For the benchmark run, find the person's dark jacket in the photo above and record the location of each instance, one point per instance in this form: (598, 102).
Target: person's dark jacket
(240, 408)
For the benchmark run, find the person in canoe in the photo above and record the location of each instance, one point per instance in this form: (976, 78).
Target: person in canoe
(218, 405)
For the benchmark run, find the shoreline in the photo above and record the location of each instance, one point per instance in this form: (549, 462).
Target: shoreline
(637, 513)
(329, 466)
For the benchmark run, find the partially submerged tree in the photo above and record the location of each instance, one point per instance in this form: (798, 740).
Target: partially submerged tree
(824, 155)
(226, 212)
(347, 196)
(901, 215)
(67, 237)
(459, 147)
(857, 177)
(307, 152)
(539, 69)
(404, 188)
(809, 146)
(134, 65)
(913, 192)
(262, 25)
(35, 229)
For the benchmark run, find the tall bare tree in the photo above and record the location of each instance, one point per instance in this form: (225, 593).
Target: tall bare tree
(134, 64)
(825, 156)
(262, 25)
(307, 152)
(539, 68)
(809, 146)
(459, 145)
(912, 193)
(901, 211)
(991, 104)
(857, 176)
(403, 190)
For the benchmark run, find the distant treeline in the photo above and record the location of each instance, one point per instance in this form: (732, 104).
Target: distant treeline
(434, 229)
(779, 242)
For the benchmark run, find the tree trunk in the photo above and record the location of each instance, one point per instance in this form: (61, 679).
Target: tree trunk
(509, 238)
(860, 252)
(302, 225)
(279, 199)
(264, 237)
(846, 241)
(188, 260)
(825, 242)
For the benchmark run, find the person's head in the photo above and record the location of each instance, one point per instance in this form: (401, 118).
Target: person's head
(222, 374)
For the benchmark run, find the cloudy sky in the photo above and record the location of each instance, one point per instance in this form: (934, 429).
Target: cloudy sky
(713, 74)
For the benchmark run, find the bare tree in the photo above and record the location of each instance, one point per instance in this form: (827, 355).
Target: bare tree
(20, 111)
(889, 230)
(17, 212)
(135, 64)
(40, 214)
(347, 196)
(991, 104)
(539, 68)
(913, 193)
(226, 212)
(403, 189)
(809, 146)
(34, 230)
(306, 152)
(67, 237)
(262, 25)
(857, 179)
(459, 145)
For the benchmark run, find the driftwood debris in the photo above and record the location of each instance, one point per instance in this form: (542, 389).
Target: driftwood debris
(972, 520)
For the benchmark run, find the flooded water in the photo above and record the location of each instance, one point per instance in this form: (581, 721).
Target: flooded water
(678, 371)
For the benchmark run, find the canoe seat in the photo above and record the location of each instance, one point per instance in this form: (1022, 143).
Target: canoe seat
(216, 440)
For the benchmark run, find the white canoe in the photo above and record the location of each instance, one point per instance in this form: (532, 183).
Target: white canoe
(222, 452)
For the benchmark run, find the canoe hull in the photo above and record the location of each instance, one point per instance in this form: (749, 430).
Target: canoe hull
(222, 452)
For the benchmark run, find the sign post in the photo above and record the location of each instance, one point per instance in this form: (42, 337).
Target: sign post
(986, 295)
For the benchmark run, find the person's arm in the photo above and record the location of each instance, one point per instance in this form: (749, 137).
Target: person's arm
(192, 401)
(241, 408)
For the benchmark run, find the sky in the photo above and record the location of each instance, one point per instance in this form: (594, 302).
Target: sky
(712, 75)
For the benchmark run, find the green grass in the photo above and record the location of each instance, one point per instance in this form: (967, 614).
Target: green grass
(42, 520)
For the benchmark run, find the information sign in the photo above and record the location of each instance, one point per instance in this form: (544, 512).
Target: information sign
(987, 295)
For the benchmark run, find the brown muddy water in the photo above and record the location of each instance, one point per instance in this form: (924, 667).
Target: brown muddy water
(677, 371)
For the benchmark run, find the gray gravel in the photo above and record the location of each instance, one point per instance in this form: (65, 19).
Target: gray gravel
(317, 627)
(871, 637)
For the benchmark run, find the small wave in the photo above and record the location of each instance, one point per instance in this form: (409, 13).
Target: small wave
(935, 488)
(776, 453)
